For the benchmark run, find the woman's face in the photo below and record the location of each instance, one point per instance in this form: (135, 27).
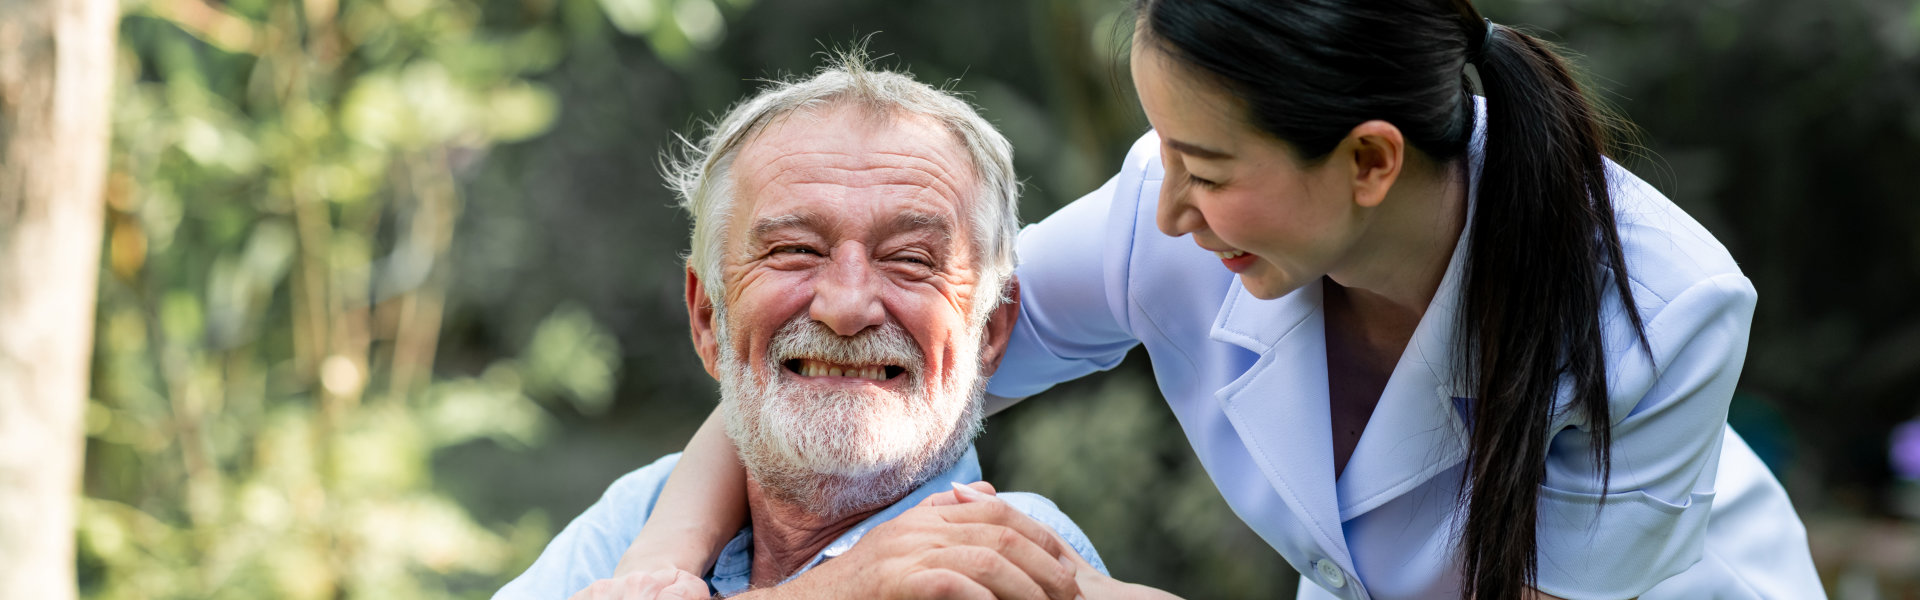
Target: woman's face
(1243, 195)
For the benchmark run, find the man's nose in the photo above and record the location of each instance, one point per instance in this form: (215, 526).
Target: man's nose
(845, 296)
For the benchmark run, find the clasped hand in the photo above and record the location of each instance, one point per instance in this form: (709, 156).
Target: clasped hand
(964, 544)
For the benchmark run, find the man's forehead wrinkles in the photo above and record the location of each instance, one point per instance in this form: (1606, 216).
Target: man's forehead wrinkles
(933, 165)
(863, 177)
(856, 162)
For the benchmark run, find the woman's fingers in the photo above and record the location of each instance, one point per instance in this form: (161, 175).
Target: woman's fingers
(685, 586)
(961, 494)
(644, 586)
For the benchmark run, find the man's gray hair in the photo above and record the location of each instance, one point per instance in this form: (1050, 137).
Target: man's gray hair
(703, 178)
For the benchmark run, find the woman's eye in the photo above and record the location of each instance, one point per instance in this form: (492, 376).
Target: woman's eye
(794, 250)
(918, 260)
(1204, 183)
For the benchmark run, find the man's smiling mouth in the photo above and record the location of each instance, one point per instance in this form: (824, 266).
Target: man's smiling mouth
(807, 367)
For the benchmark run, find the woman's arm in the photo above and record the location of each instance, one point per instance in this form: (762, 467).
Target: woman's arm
(702, 506)
(994, 404)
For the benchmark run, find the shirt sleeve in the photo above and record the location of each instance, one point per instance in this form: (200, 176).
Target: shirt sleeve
(1649, 522)
(1073, 286)
(591, 546)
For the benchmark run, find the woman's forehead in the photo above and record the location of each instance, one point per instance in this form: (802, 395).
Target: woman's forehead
(1186, 104)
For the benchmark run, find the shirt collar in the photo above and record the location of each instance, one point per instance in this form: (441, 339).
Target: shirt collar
(733, 570)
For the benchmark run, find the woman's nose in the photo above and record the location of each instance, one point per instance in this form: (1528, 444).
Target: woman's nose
(1175, 215)
(845, 296)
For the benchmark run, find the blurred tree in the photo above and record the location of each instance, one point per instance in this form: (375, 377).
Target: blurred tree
(55, 73)
(283, 196)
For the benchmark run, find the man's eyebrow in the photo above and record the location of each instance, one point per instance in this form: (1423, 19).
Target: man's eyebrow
(1197, 151)
(767, 226)
(905, 221)
(920, 221)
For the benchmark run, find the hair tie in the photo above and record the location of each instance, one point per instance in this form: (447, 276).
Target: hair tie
(1477, 46)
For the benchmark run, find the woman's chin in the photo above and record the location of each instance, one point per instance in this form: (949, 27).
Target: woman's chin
(1266, 283)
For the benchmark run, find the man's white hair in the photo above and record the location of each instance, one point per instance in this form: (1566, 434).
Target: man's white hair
(703, 179)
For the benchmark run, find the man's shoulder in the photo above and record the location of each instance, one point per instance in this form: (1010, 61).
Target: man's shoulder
(1047, 513)
(590, 546)
(644, 482)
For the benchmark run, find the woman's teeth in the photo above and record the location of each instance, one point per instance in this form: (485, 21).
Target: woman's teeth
(1230, 254)
(814, 368)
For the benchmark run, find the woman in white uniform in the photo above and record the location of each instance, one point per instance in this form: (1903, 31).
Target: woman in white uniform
(1427, 345)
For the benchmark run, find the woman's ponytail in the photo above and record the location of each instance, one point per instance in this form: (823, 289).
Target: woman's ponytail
(1543, 246)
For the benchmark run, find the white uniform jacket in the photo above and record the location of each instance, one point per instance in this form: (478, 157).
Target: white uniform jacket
(1691, 511)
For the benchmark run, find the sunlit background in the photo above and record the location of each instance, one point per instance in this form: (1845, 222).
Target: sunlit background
(392, 289)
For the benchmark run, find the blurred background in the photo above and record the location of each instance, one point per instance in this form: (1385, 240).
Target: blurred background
(391, 289)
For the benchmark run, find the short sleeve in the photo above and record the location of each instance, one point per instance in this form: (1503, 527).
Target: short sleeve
(1669, 423)
(1073, 287)
(591, 546)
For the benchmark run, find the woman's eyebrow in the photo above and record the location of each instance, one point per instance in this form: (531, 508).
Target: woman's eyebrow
(1197, 151)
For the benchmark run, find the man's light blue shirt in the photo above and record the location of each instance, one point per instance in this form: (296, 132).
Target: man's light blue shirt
(589, 548)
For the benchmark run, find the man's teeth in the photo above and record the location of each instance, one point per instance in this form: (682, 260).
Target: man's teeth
(813, 368)
(1230, 254)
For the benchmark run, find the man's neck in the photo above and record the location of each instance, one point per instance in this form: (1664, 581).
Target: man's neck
(786, 535)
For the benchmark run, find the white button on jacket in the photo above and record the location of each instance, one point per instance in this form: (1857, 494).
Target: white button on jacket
(1690, 513)
(1330, 573)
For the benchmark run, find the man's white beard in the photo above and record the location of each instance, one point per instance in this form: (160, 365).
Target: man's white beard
(842, 452)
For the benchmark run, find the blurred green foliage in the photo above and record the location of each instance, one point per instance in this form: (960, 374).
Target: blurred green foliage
(393, 290)
(284, 194)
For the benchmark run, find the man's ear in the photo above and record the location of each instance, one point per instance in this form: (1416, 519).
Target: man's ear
(700, 315)
(1375, 152)
(1000, 328)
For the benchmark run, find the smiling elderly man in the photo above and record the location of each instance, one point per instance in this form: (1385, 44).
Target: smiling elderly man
(849, 287)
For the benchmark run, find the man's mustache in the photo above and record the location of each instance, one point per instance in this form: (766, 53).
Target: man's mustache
(886, 345)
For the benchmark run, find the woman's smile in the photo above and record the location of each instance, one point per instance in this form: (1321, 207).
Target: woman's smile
(1235, 260)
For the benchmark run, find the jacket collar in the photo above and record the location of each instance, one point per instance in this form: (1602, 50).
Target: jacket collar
(1416, 431)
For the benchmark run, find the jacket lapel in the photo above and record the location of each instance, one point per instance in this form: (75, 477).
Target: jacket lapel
(1279, 406)
(1417, 430)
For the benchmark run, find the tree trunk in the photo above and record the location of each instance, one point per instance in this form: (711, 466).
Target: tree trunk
(56, 69)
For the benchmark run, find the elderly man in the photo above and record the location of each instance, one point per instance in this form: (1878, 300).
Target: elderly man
(850, 287)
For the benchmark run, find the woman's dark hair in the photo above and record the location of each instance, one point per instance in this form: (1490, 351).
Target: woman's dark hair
(1542, 248)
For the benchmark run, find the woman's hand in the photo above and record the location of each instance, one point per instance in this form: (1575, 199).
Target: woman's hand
(663, 584)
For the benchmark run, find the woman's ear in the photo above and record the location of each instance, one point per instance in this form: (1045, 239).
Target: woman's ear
(1375, 151)
(700, 316)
